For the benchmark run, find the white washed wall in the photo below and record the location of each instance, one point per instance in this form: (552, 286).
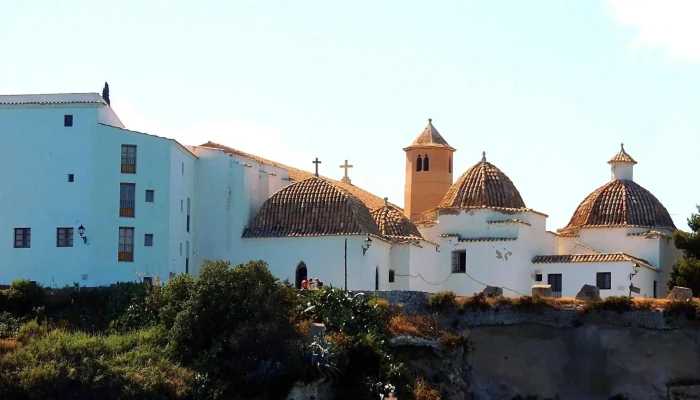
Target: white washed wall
(324, 259)
(43, 200)
(181, 242)
(575, 275)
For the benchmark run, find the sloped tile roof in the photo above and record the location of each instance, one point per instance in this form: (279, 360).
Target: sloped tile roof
(622, 157)
(483, 185)
(620, 203)
(477, 239)
(509, 221)
(393, 224)
(51, 98)
(312, 207)
(590, 258)
(297, 175)
(650, 234)
(430, 137)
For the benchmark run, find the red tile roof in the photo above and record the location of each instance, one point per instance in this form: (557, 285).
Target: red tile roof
(312, 207)
(430, 137)
(483, 185)
(590, 258)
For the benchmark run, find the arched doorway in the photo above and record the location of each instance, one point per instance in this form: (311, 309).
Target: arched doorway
(376, 278)
(300, 275)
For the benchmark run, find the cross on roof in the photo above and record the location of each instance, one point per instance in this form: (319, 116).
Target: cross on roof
(316, 162)
(346, 166)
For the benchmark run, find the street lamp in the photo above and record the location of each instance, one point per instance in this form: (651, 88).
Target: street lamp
(635, 268)
(365, 246)
(81, 232)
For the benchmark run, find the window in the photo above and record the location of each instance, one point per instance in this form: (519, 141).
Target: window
(126, 244)
(538, 277)
(23, 238)
(426, 163)
(419, 164)
(555, 281)
(128, 159)
(150, 196)
(187, 257)
(148, 240)
(449, 164)
(71, 177)
(183, 168)
(188, 214)
(64, 237)
(603, 280)
(182, 208)
(654, 289)
(148, 281)
(68, 120)
(126, 200)
(392, 274)
(180, 248)
(459, 261)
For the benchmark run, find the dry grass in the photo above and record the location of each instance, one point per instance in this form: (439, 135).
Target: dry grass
(7, 345)
(482, 302)
(423, 391)
(414, 325)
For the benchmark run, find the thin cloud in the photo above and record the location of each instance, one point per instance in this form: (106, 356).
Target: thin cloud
(671, 25)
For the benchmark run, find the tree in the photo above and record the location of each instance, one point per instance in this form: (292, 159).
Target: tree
(686, 272)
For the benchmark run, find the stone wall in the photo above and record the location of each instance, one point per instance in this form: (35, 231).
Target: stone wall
(569, 354)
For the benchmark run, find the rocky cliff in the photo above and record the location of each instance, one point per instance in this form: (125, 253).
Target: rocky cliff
(565, 353)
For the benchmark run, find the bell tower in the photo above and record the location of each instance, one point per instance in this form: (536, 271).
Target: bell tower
(428, 172)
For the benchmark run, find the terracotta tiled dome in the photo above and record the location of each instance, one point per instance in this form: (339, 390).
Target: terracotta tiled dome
(621, 203)
(312, 207)
(483, 185)
(393, 224)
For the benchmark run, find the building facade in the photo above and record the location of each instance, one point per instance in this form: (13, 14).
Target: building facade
(94, 203)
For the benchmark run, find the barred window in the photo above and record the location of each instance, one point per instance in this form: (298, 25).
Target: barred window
(459, 261)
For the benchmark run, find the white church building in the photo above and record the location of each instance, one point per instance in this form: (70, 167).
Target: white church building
(90, 202)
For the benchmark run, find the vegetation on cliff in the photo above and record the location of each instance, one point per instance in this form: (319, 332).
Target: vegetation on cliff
(686, 272)
(232, 333)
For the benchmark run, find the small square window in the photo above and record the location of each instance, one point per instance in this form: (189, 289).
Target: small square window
(23, 238)
(148, 240)
(148, 281)
(392, 274)
(71, 177)
(150, 196)
(64, 237)
(68, 120)
(538, 277)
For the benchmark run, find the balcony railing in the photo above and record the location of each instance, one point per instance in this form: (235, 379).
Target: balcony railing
(126, 208)
(128, 165)
(126, 252)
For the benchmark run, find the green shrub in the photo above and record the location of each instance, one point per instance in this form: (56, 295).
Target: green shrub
(23, 297)
(530, 303)
(340, 311)
(62, 365)
(441, 301)
(9, 325)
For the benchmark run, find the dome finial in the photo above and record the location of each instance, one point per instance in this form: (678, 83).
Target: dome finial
(386, 201)
(430, 120)
(483, 156)
(622, 147)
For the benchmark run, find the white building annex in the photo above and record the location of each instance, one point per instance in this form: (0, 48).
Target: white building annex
(94, 203)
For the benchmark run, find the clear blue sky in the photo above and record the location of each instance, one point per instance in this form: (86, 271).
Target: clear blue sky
(547, 89)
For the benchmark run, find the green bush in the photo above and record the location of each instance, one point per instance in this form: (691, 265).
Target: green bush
(23, 297)
(340, 311)
(233, 325)
(689, 309)
(441, 301)
(63, 365)
(9, 325)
